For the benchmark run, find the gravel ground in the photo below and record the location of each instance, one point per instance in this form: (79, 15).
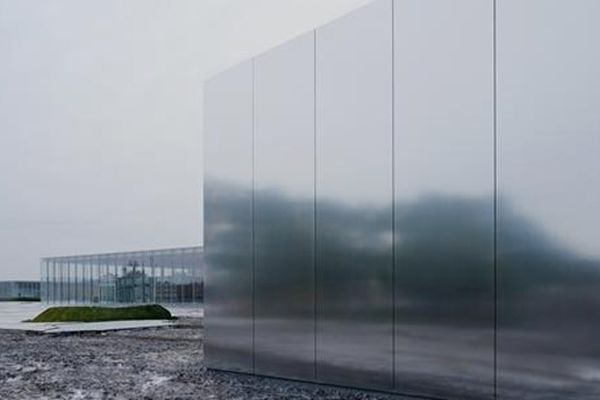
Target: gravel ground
(164, 363)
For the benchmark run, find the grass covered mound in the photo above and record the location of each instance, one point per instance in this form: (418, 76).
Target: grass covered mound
(101, 314)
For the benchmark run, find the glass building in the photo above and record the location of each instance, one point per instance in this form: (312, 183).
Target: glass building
(19, 290)
(166, 276)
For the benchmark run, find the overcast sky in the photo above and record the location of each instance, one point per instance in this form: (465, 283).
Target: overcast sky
(101, 116)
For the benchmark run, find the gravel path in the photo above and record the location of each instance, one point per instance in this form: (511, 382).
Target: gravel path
(165, 363)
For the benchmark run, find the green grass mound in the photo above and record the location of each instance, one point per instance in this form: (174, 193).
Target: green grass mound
(102, 314)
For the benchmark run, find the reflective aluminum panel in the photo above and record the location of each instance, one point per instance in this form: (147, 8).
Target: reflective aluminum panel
(228, 219)
(549, 199)
(354, 197)
(444, 186)
(284, 210)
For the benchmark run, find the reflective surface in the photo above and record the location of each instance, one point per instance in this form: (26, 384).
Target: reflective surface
(154, 276)
(367, 245)
(444, 170)
(20, 290)
(284, 210)
(228, 224)
(354, 177)
(549, 199)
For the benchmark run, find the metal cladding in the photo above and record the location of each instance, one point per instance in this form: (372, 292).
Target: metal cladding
(167, 276)
(405, 200)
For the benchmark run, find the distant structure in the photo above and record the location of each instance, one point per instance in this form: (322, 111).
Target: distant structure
(166, 276)
(20, 291)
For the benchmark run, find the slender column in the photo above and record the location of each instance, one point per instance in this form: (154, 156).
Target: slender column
(143, 281)
(54, 282)
(153, 272)
(171, 282)
(162, 282)
(47, 281)
(192, 265)
(91, 271)
(68, 299)
(100, 266)
(116, 280)
(62, 281)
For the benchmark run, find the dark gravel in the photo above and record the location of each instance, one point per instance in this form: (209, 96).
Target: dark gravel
(165, 363)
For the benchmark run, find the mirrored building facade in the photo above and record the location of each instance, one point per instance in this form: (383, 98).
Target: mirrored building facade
(406, 200)
(168, 276)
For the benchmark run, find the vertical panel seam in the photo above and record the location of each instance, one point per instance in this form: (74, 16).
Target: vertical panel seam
(495, 250)
(393, 195)
(253, 225)
(315, 203)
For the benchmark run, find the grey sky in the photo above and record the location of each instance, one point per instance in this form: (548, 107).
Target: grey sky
(101, 116)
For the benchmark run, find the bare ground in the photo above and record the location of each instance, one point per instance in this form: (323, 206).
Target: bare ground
(164, 363)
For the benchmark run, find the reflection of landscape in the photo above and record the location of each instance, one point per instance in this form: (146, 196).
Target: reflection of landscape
(549, 312)
(549, 315)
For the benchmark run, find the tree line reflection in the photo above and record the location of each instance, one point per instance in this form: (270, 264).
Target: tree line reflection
(444, 260)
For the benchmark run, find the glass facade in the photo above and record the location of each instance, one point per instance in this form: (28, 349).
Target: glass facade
(167, 276)
(19, 290)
